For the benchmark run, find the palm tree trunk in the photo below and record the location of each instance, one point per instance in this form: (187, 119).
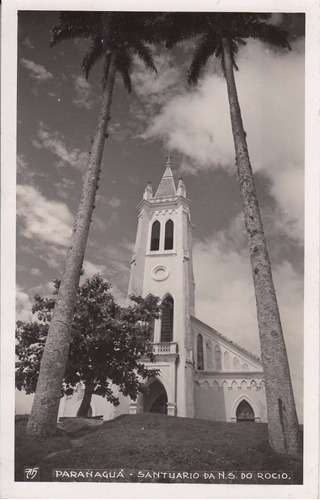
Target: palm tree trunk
(43, 417)
(282, 417)
(86, 402)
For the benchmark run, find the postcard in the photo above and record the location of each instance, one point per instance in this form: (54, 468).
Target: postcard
(160, 235)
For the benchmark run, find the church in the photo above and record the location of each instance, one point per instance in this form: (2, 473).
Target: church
(201, 373)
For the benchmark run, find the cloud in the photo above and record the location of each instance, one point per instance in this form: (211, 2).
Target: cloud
(114, 202)
(153, 87)
(115, 268)
(55, 95)
(196, 123)
(288, 189)
(153, 90)
(118, 132)
(53, 256)
(25, 300)
(64, 187)
(23, 306)
(55, 142)
(85, 97)
(90, 269)
(35, 272)
(42, 219)
(107, 272)
(225, 297)
(36, 71)
(111, 201)
(23, 170)
(27, 43)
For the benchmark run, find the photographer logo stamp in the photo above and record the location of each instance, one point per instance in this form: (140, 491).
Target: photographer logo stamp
(31, 473)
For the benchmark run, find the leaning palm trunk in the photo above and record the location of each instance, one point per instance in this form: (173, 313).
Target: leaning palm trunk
(282, 417)
(43, 417)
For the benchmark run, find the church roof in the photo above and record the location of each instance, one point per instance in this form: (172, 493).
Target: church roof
(166, 187)
(212, 330)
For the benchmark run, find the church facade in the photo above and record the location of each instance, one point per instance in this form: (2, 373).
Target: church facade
(201, 373)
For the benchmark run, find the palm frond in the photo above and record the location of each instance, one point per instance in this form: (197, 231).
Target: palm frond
(176, 27)
(244, 25)
(207, 47)
(126, 78)
(270, 34)
(59, 34)
(74, 25)
(122, 33)
(144, 52)
(123, 64)
(93, 55)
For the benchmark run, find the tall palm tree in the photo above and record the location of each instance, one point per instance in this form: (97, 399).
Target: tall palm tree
(116, 37)
(221, 35)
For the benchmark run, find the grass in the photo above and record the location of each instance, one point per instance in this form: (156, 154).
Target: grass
(152, 442)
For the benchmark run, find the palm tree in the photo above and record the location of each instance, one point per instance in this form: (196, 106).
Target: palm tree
(221, 35)
(115, 38)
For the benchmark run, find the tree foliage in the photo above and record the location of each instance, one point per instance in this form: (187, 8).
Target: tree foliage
(107, 342)
(124, 34)
(210, 28)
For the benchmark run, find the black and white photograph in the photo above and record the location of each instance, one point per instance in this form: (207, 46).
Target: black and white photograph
(159, 250)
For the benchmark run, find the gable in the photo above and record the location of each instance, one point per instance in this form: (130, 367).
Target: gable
(218, 353)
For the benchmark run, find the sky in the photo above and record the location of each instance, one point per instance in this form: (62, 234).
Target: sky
(57, 111)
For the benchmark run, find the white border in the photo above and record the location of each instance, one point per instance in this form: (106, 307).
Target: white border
(311, 330)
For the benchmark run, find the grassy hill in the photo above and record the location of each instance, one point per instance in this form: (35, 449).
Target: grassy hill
(159, 444)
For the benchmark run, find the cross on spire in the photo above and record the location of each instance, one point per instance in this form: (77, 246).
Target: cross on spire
(169, 158)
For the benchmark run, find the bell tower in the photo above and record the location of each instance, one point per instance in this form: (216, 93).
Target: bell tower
(162, 265)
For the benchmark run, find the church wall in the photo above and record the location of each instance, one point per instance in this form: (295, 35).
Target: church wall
(225, 374)
(69, 405)
(218, 399)
(124, 406)
(100, 406)
(137, 264)
(209, 403)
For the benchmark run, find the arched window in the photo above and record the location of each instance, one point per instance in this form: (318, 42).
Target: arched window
(151, 329)
(155, 236)
(226, 360)
(200, 362)
(217, 356)
(149, 325)
(235, 363)
(209, 365)
(167, 320)
(244, 412)
(168, 235)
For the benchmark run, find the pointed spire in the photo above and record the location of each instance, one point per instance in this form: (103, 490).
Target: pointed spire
(166, 187)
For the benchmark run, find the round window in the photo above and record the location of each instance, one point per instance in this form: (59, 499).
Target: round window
(160, 273)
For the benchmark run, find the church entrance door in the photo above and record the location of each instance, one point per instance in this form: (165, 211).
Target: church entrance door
(160, 405)
(155, 398)
(244, 412)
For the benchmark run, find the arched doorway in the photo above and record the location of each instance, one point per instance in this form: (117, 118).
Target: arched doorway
(160, 404)
(244, 412)
(155, 398)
